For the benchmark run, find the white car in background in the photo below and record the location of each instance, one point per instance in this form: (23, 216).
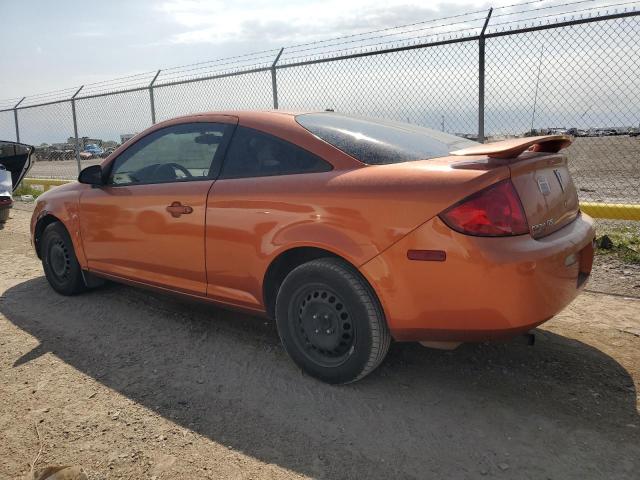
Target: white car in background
(15, 161)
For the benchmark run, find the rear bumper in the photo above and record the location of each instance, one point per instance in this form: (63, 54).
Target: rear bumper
(486, 289)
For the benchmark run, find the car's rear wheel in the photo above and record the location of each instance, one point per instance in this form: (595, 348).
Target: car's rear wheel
(4, 215)
(59, 261)
(330, 321)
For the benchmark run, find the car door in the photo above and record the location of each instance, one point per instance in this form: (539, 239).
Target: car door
(249, 204)
(147, 222)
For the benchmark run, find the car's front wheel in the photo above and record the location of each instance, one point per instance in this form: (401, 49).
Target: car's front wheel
(330, 321)
(59, 261)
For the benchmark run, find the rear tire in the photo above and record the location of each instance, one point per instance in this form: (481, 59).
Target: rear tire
(59, 261)
(4, 215)
(330, 321)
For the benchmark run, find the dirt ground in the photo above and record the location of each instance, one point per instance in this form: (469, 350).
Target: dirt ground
(130, 384)
(606, 169)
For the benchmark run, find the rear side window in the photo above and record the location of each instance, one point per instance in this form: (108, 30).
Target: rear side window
(257, 154)
(378, 142)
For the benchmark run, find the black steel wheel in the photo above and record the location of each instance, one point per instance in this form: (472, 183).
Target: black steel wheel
(321, 324)
(59, 261)
(330, 321)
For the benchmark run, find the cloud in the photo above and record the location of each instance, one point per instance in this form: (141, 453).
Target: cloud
(289, 21)
(293, 21)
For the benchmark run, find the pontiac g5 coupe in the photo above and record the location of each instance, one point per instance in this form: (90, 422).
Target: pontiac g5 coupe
(348, 231)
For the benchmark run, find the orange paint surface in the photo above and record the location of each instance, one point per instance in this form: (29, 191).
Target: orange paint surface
(370, 216)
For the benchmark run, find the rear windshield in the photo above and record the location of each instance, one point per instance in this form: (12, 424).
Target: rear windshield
(378, 142)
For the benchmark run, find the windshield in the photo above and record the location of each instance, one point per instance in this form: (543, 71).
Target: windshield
(378, 142)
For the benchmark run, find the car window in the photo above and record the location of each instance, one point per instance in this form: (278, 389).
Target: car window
(257, 154)
(377, 142)
(178, 153)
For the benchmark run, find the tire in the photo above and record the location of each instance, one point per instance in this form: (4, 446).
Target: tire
(59, 261)
(4, 215)
(330, 321)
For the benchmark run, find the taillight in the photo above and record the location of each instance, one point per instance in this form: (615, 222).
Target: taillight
(495, 211)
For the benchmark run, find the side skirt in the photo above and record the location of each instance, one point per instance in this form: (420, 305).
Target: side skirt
(101, 276)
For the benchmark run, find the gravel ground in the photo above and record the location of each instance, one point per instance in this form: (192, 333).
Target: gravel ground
(130, 384)
(612, 275)
(606, 169)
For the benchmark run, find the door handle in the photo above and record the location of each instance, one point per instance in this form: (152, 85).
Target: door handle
(176, 209)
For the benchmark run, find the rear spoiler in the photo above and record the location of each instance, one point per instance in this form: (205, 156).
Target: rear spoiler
(515, 146)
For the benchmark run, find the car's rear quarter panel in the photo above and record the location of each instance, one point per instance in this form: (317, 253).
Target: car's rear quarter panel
(355, 214)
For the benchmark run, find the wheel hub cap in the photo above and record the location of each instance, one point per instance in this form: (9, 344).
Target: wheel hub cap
(320, 323)
(58, 259)
(325, 324)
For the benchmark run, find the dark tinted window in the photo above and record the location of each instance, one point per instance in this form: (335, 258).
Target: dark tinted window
(380, 141)
(256, 154)
(177, 153)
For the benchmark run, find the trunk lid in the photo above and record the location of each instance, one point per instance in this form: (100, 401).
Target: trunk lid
(539, 174)
(15, 161)
(547, 192)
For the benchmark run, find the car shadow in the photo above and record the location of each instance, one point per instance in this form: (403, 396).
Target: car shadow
(423, 413)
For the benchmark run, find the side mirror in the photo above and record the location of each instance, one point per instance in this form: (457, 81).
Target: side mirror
(91, 175)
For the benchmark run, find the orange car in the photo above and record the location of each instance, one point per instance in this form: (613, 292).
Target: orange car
(349, 231)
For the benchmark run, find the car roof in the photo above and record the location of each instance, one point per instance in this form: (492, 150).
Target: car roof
(265, 120)
(242, 114)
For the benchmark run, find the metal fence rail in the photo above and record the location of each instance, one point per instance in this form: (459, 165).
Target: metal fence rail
(486, 75)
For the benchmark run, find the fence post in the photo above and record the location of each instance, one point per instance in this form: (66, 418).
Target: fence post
(274, 83)
(481, 79)
(75, 126)
(152, 100)
(15, 118)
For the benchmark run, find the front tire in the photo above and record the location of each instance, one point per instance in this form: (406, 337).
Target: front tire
(59, 261)
(330, 321)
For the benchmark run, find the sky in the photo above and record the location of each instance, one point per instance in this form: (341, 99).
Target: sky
(48, 45)
(575, 77)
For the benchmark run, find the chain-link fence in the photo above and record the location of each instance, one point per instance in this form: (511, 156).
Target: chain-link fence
(53, 121)
(583, 78)
(483, 75)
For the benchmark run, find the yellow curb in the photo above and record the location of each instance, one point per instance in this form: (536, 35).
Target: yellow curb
(611, 211)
